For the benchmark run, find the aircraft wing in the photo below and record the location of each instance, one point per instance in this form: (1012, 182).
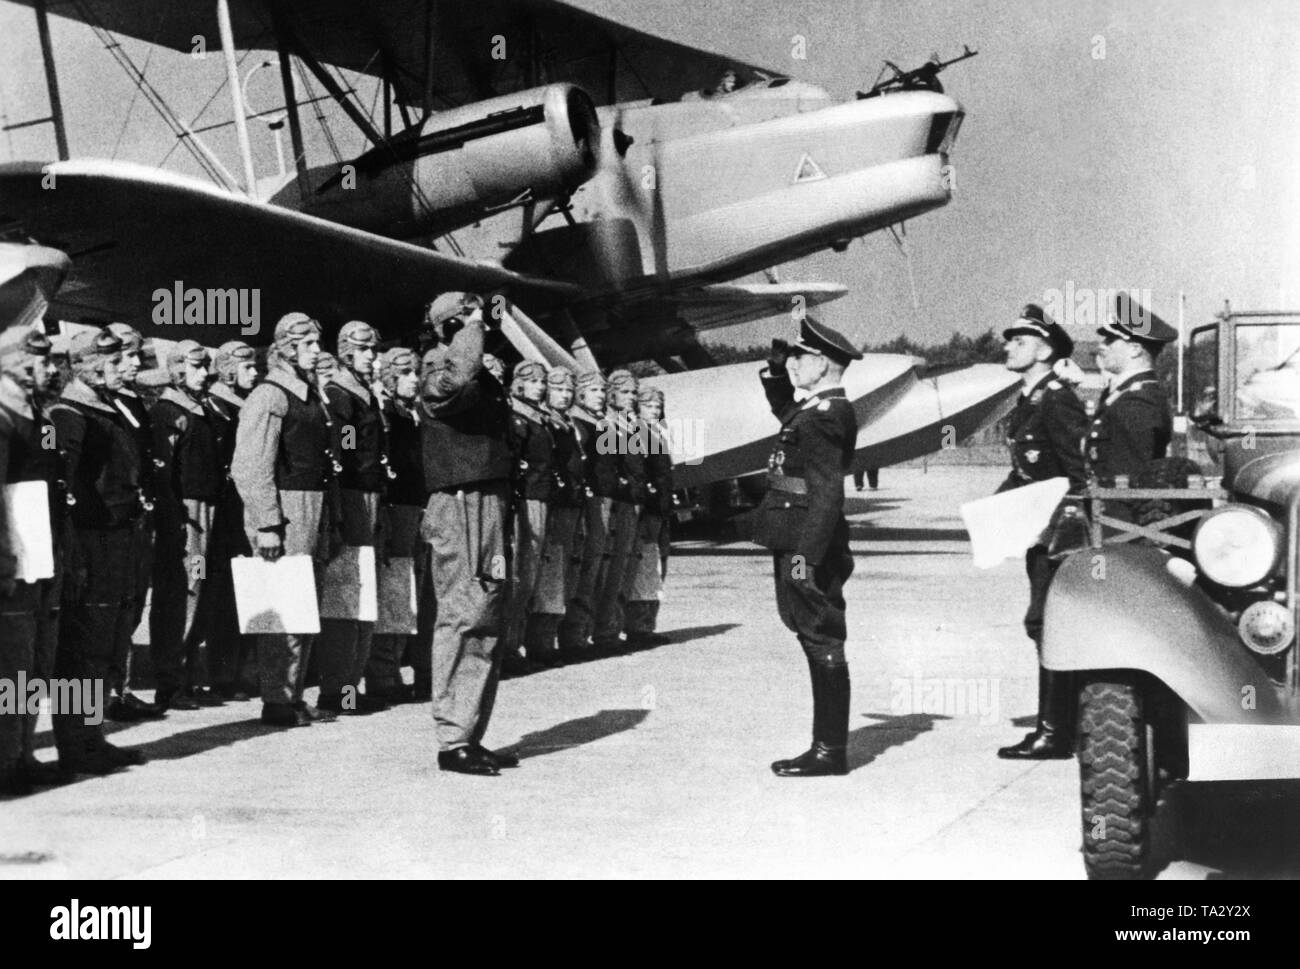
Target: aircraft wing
(544, 41)
(727, 304)
(132, 231)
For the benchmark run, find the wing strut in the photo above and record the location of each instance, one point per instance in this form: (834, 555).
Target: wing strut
(290, 101)
(289, 38)
(51, 80)
(236, 96)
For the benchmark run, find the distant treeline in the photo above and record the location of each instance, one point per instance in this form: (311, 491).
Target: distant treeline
(959, 350)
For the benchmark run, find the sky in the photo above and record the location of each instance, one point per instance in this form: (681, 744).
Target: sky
(1108, 144)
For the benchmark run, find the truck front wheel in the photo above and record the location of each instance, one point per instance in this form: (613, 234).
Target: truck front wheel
(1115, 768)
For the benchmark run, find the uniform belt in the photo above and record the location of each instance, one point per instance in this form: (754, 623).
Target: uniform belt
(781, 482)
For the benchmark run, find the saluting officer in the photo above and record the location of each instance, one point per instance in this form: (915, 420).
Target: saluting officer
(283, 466)
(236, 375)
(126, 706)
(404, 503)
(802, 521)
(101, 467)
(26, 639)
(1132, 425)
(1045, 434)
(189, 481)
(465, 426)
(532, 447)
(344, 645)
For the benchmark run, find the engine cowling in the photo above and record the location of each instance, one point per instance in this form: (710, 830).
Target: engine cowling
(461, 164)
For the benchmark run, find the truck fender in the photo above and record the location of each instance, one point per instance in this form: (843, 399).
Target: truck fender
(1120, 607)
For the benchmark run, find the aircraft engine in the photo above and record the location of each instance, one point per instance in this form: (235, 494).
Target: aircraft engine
(461, 165)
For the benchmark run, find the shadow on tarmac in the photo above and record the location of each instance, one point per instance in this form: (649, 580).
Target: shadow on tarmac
(1243, 829)
(868, 743)
(575, 733)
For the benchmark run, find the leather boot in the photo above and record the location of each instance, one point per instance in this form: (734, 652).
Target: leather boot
(826, 757)
(1054, 738)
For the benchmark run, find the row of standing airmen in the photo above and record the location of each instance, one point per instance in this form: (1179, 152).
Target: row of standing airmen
(536, 521)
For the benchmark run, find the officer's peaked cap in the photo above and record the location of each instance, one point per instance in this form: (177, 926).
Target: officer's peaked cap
(819, 338)
(1037, 323)
(1134, 323)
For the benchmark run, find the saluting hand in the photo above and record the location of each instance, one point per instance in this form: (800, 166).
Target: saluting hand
(777, 357)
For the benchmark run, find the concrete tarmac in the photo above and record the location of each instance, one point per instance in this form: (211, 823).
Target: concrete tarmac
(655, 764)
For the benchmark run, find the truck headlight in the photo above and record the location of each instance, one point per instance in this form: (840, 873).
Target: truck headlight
(1237, 546)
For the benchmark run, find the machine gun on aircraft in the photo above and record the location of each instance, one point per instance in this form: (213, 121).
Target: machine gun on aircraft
(923, 78)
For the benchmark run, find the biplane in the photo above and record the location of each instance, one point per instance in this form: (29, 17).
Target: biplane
(615, 188)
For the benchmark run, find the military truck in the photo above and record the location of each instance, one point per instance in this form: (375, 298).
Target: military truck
(1179, 618)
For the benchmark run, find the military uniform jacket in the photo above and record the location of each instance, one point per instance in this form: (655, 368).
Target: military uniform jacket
(532, 447)
(136, 415)
(284, 442)
(359, 427)
(658, 472)
(568, 463)
(1045, 434)
(465, 421)
(225, 405)
(23, 429)
(186, 448)
(601, 461)
(402, 428)
(101, 463)
(803, 510)
(626, 436)
(1131, 428)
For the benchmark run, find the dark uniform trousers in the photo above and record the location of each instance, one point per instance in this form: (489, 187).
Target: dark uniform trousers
(181, 610)
(142, 539)
(99, 588)
(593, 545)
(815, 610)
(229, 651)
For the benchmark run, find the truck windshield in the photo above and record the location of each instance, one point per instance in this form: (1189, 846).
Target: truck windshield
(1268, 372)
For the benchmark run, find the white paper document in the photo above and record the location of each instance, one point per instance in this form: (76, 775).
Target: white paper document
(1003, 526)
(27, 513)
(349, 586)
(276, 597)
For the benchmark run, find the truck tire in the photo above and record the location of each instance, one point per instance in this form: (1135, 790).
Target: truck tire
(1115, 787)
